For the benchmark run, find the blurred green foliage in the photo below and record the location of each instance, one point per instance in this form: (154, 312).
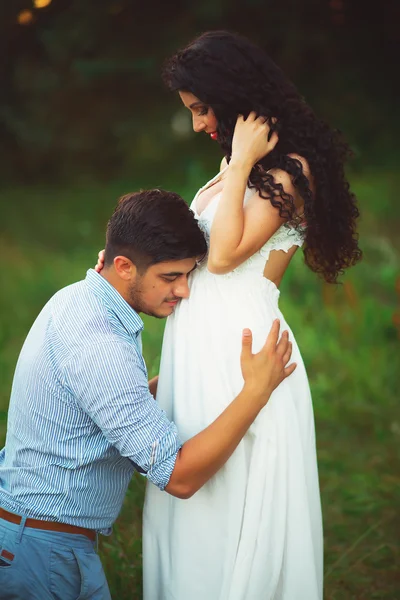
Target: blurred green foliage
(83, 76)
(349, 336)
(84, 118)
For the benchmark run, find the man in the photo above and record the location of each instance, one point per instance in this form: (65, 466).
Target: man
(82, 417)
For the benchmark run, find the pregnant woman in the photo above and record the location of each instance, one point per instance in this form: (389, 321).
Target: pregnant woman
(254, 531)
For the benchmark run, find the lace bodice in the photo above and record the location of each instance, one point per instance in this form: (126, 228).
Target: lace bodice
(283, 239)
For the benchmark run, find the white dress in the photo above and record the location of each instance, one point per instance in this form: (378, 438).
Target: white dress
(254, 531)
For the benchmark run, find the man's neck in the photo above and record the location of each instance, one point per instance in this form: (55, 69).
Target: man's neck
(113, 279)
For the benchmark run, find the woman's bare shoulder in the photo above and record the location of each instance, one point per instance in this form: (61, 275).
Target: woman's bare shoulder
(285, 179)
(304, 163)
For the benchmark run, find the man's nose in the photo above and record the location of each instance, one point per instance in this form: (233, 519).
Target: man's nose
(182, 289)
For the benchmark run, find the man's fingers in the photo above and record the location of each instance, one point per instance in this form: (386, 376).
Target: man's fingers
(288, 354)
(289, 370)
(283, 343)
(273, 335)
(247, 343)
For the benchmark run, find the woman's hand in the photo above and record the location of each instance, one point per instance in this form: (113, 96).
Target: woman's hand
(251, 140)
(100, 262)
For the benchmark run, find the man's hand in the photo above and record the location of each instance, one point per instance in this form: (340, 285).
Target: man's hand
(264, 371)
(205, 453)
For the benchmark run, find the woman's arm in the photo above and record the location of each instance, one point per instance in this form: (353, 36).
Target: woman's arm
(237, 231)
(153, 383)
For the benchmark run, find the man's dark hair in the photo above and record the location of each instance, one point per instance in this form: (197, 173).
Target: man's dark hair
(153, 226)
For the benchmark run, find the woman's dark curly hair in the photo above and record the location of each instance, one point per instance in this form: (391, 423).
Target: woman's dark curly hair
(233, 76)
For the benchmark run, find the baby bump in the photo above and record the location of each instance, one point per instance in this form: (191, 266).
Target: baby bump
(203, 345)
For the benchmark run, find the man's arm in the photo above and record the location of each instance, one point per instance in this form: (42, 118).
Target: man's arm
(109, 382)
(204, 454)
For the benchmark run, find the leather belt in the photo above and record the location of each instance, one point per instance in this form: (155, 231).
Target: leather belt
(48, 525)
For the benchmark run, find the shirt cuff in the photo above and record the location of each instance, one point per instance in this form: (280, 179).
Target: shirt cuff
(164, 452)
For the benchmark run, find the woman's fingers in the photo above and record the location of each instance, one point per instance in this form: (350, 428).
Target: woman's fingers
(273, 139)
(253, 138)
(100, 262)
(252, 116)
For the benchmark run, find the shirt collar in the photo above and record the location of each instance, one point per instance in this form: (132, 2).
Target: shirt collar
(114, 302)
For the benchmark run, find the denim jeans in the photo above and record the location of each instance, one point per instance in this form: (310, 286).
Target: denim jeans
(48, 565)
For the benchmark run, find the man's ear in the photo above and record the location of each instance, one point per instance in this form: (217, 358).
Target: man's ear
(124, 268)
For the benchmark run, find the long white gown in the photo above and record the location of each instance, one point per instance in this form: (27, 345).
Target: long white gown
(254, 531)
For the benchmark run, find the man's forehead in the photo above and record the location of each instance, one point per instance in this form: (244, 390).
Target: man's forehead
(175, 267)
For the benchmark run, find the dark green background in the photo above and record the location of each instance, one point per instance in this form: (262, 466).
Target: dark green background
(84, 118)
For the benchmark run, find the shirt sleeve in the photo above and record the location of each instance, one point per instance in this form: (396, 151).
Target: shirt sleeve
(109, 382)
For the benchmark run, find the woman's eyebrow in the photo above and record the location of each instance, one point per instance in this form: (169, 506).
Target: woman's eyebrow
(195, 104)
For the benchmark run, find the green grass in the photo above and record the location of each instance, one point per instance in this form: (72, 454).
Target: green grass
(349, 338)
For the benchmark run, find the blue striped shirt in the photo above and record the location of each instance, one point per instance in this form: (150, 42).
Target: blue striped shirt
(81, 412)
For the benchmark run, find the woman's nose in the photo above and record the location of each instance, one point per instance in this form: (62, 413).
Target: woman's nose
(198, 124)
